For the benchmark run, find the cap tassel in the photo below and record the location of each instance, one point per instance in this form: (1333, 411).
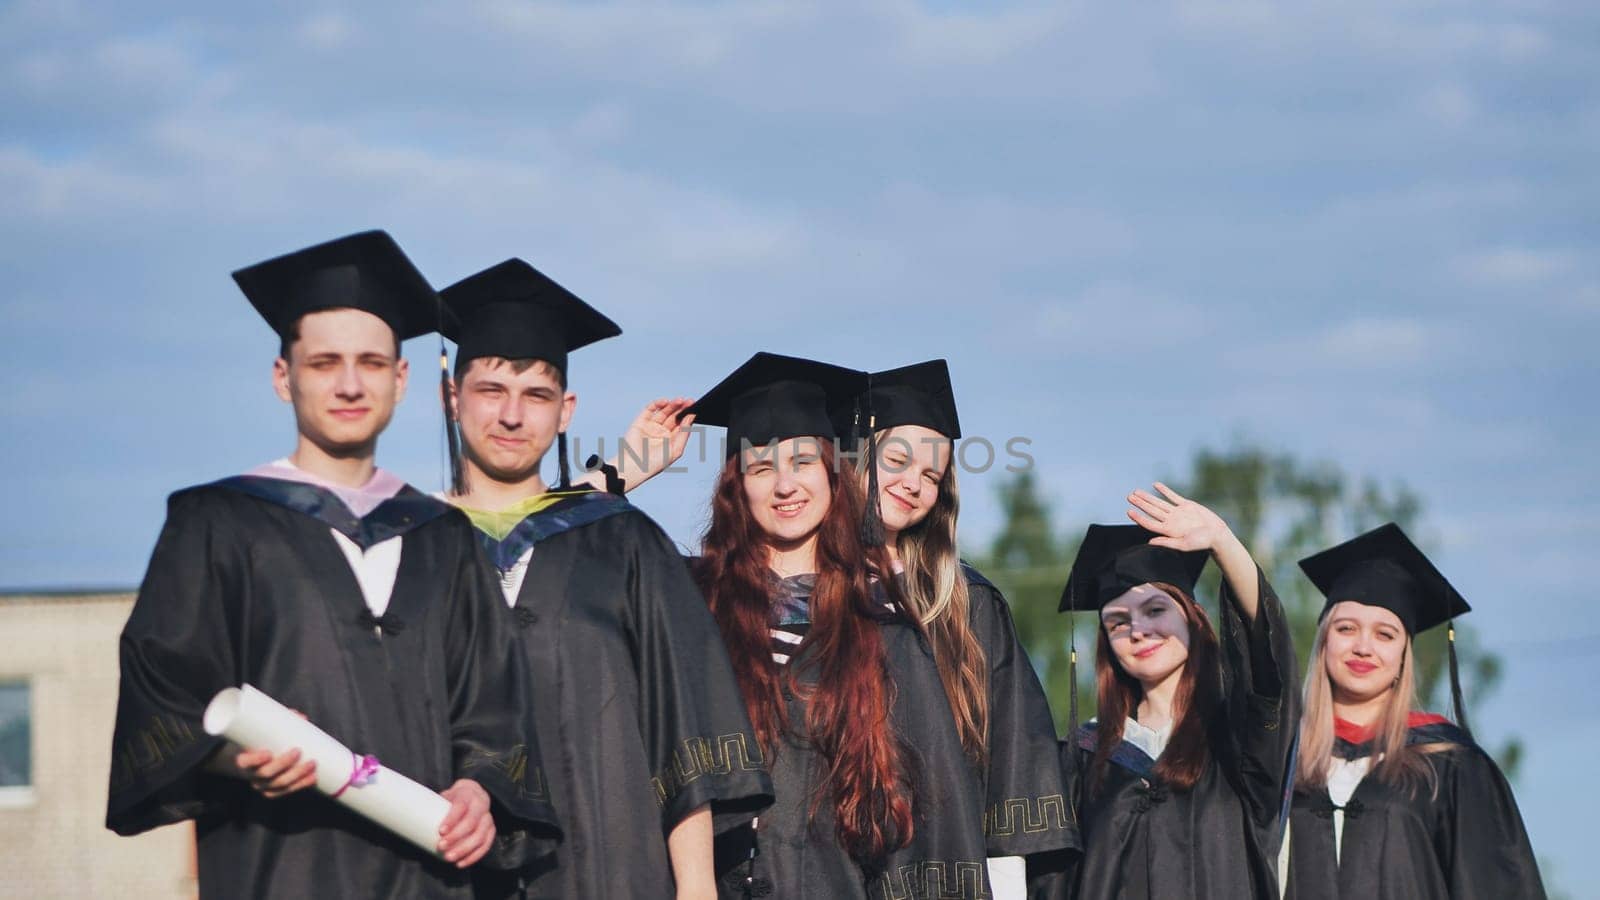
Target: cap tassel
(452, 440)
(1072, 675)
(561, 462)
(1455, 681)
(872, 520)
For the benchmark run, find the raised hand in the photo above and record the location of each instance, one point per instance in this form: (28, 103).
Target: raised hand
(1181, 523)
(654, 440)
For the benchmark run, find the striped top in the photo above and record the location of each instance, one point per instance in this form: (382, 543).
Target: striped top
(791, 615)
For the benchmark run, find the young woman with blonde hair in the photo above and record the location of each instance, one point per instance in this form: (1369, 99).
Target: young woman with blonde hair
(909, 419)
(1390, 802)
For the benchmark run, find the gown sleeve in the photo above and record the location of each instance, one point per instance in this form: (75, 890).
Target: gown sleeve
(176, 652)
(697, 735)
(1485, 848)
(492, 732)
(1263, 700)
(1026, 808)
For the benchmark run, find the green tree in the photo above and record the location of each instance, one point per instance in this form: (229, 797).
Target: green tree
(1282, 508)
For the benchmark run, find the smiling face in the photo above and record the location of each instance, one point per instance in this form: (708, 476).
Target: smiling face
(344, 377)
(509, 418)
(1148, 633)
(912, 461)
(1364, 651)
(787, 488)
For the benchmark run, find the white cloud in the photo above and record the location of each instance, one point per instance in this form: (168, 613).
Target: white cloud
(1348, 350)
(326, 30)
(1116, 318)
(1448, 104)
(603, 123)
(69, 191)
(1513, 266)
(1374, 342)
(696, 37)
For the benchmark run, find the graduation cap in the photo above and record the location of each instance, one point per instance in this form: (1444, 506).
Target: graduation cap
(1384, 568)
(918, 394)
(772, 397)
(514, 311)
(366, 271)
(1114, 558)
(1111, 560)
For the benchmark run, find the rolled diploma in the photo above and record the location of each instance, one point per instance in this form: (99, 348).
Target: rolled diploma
(255, 721)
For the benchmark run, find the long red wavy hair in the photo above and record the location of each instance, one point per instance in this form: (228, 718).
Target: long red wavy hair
(848, 694)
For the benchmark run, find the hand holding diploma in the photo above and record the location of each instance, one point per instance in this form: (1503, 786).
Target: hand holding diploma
(468, 829)
(456, 827)
(276, 774)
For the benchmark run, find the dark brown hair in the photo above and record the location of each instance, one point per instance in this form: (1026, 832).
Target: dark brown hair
(1198, 728)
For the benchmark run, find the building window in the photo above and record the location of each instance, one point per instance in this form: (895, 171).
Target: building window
(16, 738)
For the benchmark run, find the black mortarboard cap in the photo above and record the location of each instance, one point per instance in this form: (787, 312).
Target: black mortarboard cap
(366, 271)
(1384, 568)
(772, 397)
(918, 394)
(513, 310)
(1114, 558)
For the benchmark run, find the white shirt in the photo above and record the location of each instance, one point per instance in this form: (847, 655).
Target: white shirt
(1343, 779)
(511, 579)
(1151, 741)
(375, 570)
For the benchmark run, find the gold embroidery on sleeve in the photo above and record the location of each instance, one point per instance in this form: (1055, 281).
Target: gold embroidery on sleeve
(1030, 815)
(698, 756)
(149, 747)
(936, 879)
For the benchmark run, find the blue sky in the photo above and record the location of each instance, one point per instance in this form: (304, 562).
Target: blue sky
(1360, 231)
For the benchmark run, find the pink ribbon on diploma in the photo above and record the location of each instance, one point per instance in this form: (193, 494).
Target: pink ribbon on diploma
(361, 774)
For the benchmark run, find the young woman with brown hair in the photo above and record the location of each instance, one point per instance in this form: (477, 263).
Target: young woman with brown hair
(1391, 802)
(872, 786)
(1179, 783)
(994, 694)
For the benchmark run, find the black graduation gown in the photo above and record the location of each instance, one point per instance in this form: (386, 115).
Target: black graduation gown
(1461, 842)
(797, 859)
(1025, 811)
(640, 719)
(246, 584)
(1221, 838)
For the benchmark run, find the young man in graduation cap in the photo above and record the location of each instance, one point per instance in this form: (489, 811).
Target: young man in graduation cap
(1390, 801)
(335, 588)
(638, 710)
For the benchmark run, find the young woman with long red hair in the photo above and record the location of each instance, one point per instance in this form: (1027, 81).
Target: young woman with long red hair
(1001, 712)
(874, 797)
(1391, 802)
(1179, 783)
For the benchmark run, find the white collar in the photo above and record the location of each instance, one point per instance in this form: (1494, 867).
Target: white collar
(1151, 741)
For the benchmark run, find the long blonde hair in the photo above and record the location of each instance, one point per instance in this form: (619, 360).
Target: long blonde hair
(1395, 761)
(936, 593)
